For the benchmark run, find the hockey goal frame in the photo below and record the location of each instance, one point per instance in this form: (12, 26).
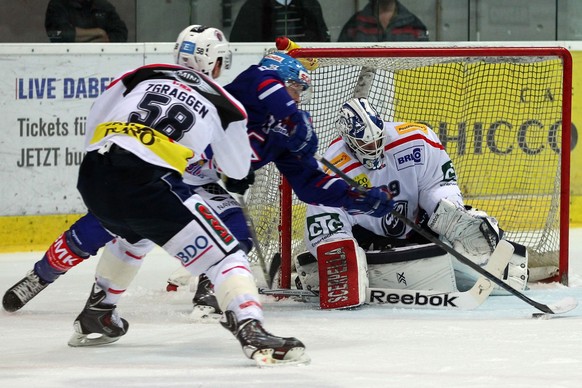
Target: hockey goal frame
(286, 202)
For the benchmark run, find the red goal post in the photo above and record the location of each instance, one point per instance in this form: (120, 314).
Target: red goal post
(502, 113)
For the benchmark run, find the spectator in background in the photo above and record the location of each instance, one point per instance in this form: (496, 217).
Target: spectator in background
(265, 20)
(382, 21)
(83, 21)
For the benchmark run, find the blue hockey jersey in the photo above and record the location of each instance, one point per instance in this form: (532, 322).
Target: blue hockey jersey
(262, 92)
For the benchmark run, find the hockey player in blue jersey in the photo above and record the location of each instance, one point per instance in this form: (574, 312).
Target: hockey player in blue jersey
(279, 132)
(271, 92)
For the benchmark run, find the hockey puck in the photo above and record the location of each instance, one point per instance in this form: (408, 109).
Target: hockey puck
(540, 316)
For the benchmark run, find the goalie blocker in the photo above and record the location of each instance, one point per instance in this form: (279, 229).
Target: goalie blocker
(344, 271)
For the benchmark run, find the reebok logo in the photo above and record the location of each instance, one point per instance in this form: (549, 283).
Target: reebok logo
(417, 299)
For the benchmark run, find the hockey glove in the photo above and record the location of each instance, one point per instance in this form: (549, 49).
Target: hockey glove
(472, 231)
(239, 186)
(302, 139)
(376, 202)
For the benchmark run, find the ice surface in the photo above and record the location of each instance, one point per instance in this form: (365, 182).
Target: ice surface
(497, 345)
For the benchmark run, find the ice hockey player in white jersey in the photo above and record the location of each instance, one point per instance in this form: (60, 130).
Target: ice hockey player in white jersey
(411, 161)
(141, 134)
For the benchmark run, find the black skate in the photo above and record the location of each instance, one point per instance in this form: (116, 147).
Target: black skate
(98, 323)
(206, 308)
(263, 347)
(23, 291)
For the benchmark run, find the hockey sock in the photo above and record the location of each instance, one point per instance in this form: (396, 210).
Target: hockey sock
(62, 255)
(83, 239)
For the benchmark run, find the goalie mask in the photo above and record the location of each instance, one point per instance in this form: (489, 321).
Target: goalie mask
(200, 47)
(291, 71)
(362, 129)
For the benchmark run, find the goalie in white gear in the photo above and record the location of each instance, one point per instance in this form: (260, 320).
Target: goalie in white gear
(410, 159)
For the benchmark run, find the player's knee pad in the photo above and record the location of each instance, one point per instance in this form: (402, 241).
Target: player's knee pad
(343, 274)
(414, 267)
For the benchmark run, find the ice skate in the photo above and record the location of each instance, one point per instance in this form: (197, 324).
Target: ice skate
(206, 307)
(98, 323)
(23, 291)
(263, 347)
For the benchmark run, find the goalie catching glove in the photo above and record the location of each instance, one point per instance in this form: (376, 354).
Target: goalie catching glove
(302, 139)
(470, 231)
(375, 202)
(239, 186)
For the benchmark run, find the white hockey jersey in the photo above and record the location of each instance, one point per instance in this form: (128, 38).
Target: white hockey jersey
(168, 115)
(417, 171)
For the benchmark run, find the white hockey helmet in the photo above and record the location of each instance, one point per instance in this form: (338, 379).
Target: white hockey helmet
(362, 129)
(199, 47)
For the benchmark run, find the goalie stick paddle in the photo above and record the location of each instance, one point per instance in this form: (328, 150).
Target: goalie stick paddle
(423, 299)
(559, 307)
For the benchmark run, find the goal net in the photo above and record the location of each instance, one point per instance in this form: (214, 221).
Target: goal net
(503, 115)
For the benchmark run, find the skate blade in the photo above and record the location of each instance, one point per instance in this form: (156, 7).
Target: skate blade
(204, 314)
(80, 340)
(296, 356)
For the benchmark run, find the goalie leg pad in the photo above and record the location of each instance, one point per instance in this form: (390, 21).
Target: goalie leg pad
(306, 265)
(515, 273)
(414, 267)
(343, 274)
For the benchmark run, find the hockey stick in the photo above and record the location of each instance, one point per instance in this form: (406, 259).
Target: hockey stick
(559, 307)
(422, 299)
(274, 267)
(253, 232)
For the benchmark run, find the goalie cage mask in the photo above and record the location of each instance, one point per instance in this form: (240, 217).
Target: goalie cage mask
(200, 47)
(362, 129)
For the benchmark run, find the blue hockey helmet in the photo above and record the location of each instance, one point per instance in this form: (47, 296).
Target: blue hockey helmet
(288, 68)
